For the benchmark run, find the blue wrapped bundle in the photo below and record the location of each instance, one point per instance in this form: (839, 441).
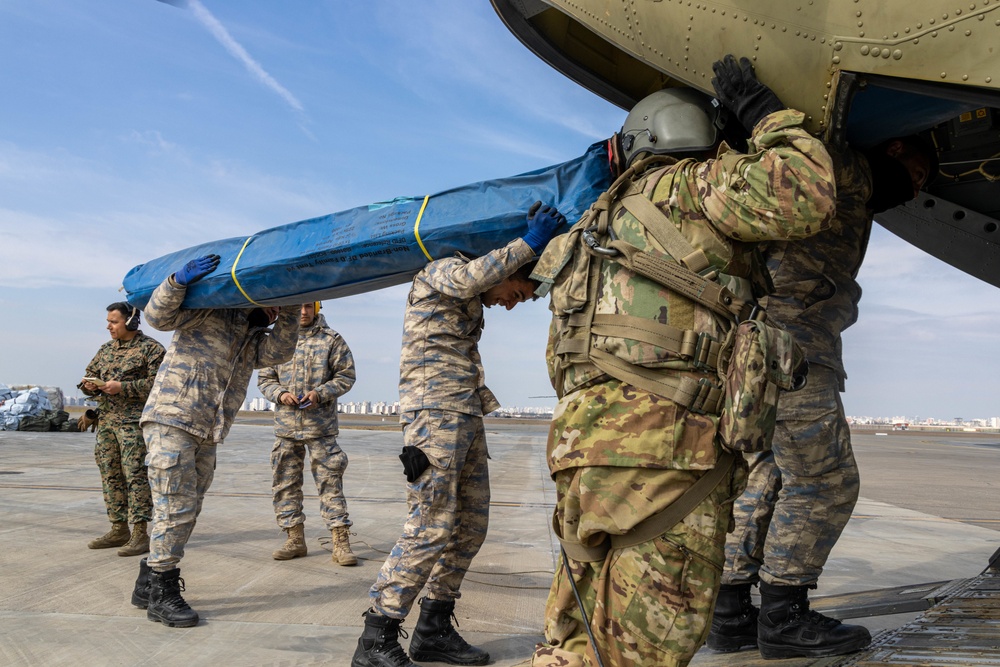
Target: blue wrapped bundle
(371, 247)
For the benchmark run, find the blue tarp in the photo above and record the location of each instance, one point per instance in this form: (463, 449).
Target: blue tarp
(371, 247)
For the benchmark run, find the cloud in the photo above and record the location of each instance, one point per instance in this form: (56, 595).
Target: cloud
(76, 222)
(220, 33)
(500, 73)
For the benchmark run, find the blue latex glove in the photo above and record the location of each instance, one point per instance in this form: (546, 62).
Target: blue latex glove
(196, 269)
(544, 222)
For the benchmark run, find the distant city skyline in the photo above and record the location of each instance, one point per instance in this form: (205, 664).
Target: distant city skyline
(261, 404)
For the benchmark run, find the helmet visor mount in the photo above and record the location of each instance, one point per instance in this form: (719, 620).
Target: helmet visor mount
(673, 120)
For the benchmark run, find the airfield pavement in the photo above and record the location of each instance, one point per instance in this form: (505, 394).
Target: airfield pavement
(927, 513)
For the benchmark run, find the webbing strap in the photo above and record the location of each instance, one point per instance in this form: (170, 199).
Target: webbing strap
(697, 395)
(657, 524)
(690, 345)
(675, 277)
(687, 343)
(233, 273)
(664, 230)
(660, 523)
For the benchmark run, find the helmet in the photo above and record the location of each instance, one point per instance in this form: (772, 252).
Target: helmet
(672, 120)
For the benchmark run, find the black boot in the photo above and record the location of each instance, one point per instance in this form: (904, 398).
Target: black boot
(787, 628)
(734, 625)
(378, 645)
(165, 602)
(435, 640)
(140, 594)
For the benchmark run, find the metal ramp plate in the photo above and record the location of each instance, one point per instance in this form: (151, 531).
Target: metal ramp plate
(885, 601)
(960, 627)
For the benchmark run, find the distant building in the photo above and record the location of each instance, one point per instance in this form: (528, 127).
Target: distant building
(259, 404)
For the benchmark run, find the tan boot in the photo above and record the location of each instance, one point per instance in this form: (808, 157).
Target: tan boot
(139, 543)
(342, 554)
(117, 536)
(295, 545)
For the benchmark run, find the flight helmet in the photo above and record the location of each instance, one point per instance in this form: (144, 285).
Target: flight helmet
(672, 120)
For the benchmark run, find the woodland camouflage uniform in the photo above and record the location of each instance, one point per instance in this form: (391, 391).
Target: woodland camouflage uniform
(619, 454)
(322, 362)
(786, 541)
(443, 398)
(198, 391)
(120, 450)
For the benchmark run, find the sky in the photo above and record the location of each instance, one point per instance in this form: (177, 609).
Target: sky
(135, 128)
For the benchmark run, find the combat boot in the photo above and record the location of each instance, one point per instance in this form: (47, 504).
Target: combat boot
(435, 640)
(378, 645)
(116, 537)
(734, 625)
(139, 543)
(342, 554)
(295, 544)
(140, 594)
(165, 602)
(787, 628)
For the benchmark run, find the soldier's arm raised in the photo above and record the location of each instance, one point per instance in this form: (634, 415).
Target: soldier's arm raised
(782, 189)
(465, 280)
(278, 346)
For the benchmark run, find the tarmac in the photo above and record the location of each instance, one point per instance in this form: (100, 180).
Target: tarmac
(64, 604)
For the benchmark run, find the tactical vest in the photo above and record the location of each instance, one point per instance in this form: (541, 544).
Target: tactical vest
(637, 299)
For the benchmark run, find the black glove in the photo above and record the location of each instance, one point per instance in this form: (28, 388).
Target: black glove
(415, 462)
(738, 90)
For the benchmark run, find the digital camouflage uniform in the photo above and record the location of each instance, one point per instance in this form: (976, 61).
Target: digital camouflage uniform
(322, 362)
(198, 391)
(443, 398)
(620, 454)
(120, 450)
(785, 538)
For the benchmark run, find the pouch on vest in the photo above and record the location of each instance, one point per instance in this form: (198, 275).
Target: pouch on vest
(764, 361)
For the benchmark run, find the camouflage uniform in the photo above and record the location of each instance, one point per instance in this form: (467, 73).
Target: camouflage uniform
(443, 398)
(198, 391)
(120, 450)
(620, 454)
(785, 539)
(322, 362)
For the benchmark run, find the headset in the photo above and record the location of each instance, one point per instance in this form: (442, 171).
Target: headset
(132, 323)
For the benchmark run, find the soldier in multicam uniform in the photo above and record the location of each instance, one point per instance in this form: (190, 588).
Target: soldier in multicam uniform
(127, 365)
(304, 392)
(626, 455)
(443, 397)
(801, 493)
(198, 391)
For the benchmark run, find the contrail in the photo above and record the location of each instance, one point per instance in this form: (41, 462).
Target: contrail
(220, 33)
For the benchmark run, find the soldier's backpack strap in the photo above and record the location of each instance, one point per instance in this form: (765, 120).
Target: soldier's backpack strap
(657, 524)
(690, 274)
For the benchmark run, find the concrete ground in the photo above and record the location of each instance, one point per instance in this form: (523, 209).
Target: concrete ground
(64, 604)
